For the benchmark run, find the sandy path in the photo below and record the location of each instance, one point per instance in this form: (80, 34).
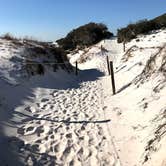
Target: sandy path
(70, 127)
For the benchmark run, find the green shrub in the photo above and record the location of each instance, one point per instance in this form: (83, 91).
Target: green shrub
(83, 36)
(161, 21)
(141, 27)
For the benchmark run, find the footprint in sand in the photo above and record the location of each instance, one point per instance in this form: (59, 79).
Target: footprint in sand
(80, 152)
(66, 152)
(104, 108)
(52, 137)
(44, 107)
(39, 130)
(30, 109)
(21, 131)
(38, 141)
(30, 130)
(26, 131)
(69, 135)
(83, 127)
(35, 148)
(56, 148)
(44, 100)
(117, 110)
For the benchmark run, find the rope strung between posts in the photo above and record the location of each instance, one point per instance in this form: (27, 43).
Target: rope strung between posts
(32, 61)
(52, 63)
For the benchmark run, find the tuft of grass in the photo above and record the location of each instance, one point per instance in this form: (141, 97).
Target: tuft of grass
(159, 133)
(151, 67)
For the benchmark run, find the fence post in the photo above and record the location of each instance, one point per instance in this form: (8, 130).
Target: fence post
(76, 68)
(112, 78)
(124, 46)
(108, 66)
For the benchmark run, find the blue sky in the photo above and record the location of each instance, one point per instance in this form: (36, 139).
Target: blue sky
(53, 19)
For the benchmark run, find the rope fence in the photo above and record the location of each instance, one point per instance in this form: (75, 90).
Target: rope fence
(55, 63)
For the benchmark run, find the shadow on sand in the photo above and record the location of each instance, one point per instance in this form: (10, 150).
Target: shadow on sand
(10, 153)
(30, 118)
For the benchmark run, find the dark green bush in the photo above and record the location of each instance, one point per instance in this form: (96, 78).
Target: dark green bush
(141, 27)
(9, 36)
(83, 36)
(161, 21)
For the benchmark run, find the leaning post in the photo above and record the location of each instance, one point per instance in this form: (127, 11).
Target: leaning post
(76, 68)
(124, 46)
(108, 65)
(112, 78)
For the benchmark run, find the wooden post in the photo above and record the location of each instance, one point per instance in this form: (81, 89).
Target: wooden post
(76, 68)
(124, 46)
(108, 66)
(112, 78)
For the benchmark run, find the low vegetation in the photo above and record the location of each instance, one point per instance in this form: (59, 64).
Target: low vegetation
(141, 27)
(50, 57)
(159, 133)
(155, 65)
(8, 36)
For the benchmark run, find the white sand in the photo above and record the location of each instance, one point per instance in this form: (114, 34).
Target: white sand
(60, 119)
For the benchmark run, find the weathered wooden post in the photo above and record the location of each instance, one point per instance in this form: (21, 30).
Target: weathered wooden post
(124, 46)
(76, 68)
(112, 78)
(108, 65)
